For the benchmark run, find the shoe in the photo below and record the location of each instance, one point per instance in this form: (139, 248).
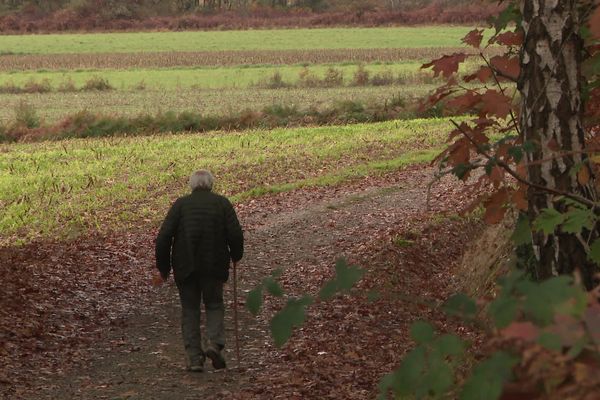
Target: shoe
(216, 357)
(196, 365)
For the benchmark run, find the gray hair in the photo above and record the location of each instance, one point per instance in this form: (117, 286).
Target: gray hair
(202, 179)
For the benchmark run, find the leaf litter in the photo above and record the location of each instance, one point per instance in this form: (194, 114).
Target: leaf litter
(81, 319)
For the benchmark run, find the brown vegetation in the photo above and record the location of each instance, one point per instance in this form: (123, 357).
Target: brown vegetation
(19, 62)
(33, 19)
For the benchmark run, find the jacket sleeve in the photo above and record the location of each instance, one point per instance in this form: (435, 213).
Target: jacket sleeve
(235, 236)
(164, 240)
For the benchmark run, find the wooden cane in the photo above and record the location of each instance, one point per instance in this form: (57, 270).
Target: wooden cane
(235, 316)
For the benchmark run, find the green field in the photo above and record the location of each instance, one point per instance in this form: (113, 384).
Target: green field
(340, 38)
(52, 107)
(62, 189)
(204, 78)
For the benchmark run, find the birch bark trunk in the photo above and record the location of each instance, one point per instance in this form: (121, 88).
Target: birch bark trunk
(551, 119)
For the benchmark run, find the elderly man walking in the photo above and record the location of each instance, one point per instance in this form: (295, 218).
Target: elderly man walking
(199, 238)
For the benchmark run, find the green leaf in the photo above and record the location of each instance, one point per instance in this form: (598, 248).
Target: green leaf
(411, 372)
(510, 14)
(273, 287)
(461, 305)
(516, 152)
(292, 315)
(577, 348)
(594, 253)
(329, 290)
(510, 281)
(542, 299)
(254, 300)
(488, 378)
(346, 276)
(548, 220)
(522, 233)
(449, 345)
(550, 341)
(578, 219)
(438, 379)
(373, 295)
(421, 332)
(503, 311)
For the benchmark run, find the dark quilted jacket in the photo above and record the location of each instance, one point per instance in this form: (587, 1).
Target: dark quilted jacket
(200, 233)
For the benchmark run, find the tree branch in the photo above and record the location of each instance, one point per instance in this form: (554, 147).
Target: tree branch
(519, 178)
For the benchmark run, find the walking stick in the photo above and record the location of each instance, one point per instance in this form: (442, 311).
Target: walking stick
(235, 315)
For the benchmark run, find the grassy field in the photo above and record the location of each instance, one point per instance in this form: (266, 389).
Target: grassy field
(62, 189)
(202, 78)
(339, 38)
(52, 107)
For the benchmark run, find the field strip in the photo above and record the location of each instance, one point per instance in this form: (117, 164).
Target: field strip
(63, 189)
(52, 107)
(273, 39)
(211, 77)
(217, 58)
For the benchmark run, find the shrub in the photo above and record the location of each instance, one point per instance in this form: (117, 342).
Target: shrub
(333, 78)
(26, 116)
(33, 86)
(383, 78)
(308, 79)
(275, 81)
(361, 76)
(97, 83)
(10, 88)
(66, 86)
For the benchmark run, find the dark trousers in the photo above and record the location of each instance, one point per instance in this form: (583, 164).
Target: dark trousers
(192, 292)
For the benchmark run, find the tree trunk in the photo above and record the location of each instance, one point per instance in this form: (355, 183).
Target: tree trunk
(551, 119)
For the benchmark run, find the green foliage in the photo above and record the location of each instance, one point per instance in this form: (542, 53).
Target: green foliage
(460, 305)
(26, 116)
(346, 276)
(254, 300)
(527, 311)
(522, 233)
(488, 377)
(427, 370)
(293, 313)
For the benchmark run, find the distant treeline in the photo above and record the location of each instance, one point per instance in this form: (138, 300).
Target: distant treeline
(18, 16)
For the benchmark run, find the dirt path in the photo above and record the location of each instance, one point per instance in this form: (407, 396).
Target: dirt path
(302, 232)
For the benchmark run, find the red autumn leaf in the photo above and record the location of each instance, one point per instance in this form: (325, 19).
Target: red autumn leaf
(510, 38)
(526, 331)
(584, 175)
(495, 104)
(157, 280)
(459, 152)
(464, 102)
(441, 93)
(507, 66)
(446, 65)
(483, 74)
(496, 176)
(474, 38)
(519, 198)
(494, 206)
(595, 24)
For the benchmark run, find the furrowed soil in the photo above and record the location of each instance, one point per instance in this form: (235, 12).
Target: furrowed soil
(80, 320)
